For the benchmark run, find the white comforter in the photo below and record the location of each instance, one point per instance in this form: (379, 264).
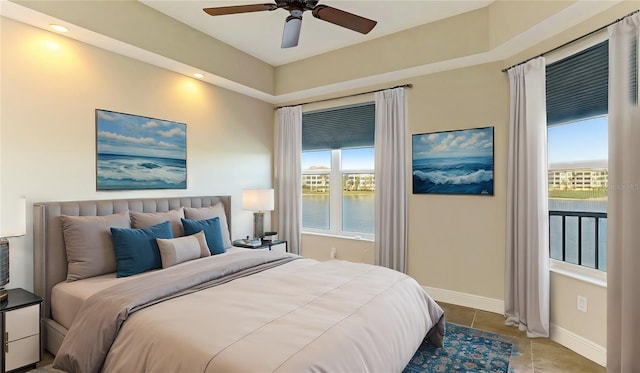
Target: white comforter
(302, 316)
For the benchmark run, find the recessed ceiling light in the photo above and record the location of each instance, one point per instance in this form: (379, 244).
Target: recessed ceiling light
(198, 75)
(58, 28)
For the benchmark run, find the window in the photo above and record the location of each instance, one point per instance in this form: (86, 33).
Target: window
(338, 181)
(578, 178)
(577, 104)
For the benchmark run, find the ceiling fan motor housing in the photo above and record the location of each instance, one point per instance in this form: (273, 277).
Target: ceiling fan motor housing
(301, 4)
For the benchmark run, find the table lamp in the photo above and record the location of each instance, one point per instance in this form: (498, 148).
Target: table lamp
(258, 201)
(15, 228)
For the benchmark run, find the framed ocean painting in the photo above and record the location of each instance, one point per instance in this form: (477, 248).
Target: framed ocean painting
(136, 152)
(453, 162)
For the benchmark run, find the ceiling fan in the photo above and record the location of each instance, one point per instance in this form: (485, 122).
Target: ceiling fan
(291, 33)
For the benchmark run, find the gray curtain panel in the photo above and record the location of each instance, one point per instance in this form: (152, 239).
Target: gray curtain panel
(289, 177)
(390, 172)
(623, 236)
(526, 296)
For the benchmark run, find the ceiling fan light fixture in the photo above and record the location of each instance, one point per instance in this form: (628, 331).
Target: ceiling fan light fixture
(292, 25)
(291, 33)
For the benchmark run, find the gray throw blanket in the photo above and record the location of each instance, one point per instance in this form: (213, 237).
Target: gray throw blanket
(98, 322)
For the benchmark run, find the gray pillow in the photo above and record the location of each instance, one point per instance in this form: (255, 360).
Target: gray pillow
(148, 219)
(182, 249)
(88, 243)
(204, 213)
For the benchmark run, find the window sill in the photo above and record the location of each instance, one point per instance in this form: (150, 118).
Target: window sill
(336, 235)
(588, 275)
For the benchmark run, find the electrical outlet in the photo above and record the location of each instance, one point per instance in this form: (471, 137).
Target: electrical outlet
(332, 255)
(582, 303)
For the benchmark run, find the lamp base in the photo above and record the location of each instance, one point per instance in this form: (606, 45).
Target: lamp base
(258, 224)
(4, 268)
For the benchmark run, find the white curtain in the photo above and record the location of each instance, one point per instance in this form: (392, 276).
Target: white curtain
(623, 235)
(527, 258)
(390, 166)
(289, 178)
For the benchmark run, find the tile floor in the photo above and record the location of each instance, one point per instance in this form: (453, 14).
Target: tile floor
(535, 354)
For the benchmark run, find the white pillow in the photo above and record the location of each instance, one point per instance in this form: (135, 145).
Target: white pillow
(177, 250)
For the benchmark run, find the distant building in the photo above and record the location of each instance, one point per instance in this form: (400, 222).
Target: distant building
(578, 176)
(360, 182)
(319, 182)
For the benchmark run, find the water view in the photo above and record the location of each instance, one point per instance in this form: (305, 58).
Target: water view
(358, 212)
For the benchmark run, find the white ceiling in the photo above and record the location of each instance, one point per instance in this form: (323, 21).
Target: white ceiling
(259, 34)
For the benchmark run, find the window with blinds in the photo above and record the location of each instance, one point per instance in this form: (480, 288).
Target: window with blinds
(338, 181)
(340, 128)
(577, 86)
(577, 89)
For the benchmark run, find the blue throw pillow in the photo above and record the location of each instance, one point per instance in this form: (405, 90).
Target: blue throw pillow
(212, 232)
(137, 250)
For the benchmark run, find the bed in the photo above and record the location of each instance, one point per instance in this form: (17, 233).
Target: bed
(238, 311)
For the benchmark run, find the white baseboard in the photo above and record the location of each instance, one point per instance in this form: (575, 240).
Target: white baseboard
(466, 300)
(581, 345)
(568, 339)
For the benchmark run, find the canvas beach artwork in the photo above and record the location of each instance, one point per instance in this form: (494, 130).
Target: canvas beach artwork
(453, 162)
(137, 152)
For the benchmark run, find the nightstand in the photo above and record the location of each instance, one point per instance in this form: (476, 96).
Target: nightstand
(21, 320)
(275, 245)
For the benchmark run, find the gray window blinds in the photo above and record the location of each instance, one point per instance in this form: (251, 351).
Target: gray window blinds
(339, 128)
(578, 86)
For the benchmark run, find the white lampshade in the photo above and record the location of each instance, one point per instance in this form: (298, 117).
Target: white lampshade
(257, 199)
(15, 224)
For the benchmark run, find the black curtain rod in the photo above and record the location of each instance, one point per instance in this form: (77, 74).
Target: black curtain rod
(409, 85)
(572, 41)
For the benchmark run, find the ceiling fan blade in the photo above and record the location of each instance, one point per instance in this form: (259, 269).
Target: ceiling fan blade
(344, 19)
(224, 10)
(291, 33)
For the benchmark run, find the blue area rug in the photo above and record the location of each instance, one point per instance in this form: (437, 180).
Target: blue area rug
(465, 350)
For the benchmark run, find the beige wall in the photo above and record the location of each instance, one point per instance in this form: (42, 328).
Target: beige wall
(319, 247)
(508, 18)
(592, 324)
(51, 86)
(458, 242)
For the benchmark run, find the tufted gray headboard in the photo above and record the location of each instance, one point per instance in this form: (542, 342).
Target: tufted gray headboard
(50, 258)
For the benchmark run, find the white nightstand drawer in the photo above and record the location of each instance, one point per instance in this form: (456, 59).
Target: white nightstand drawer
(22, 322)
(23, 352)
